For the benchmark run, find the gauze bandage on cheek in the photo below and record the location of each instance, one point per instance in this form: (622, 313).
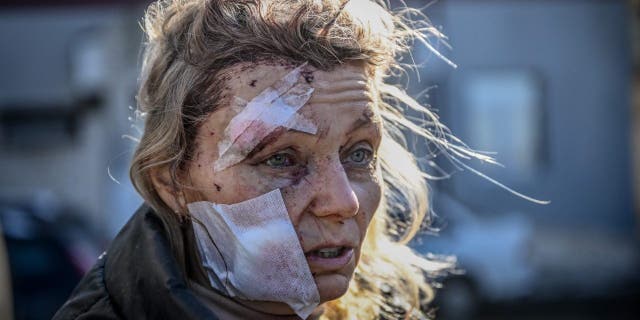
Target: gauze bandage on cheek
(250, 250)
(274, 107)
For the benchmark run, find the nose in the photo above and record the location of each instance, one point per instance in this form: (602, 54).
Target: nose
(333, 193)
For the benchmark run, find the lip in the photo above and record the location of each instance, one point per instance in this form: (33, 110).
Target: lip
(318, 264)
(332, 244)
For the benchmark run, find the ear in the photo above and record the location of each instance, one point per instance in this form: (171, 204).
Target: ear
(169, 190)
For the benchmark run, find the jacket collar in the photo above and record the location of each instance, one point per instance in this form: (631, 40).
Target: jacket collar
(143, 275)
(153, 271)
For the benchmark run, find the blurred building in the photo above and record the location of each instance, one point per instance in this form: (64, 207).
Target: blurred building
(548, 85)
(67, 87)
(68, 83)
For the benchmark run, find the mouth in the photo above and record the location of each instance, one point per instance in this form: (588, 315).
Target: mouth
(328, 253)
(328, 259)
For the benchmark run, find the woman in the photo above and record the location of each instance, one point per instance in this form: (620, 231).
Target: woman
(271, 158)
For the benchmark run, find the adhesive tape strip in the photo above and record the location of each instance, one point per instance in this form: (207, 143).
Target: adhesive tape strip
(274, 107)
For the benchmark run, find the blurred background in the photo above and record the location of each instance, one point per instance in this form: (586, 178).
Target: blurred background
(553, 87)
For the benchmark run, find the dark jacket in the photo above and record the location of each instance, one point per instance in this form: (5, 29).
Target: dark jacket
(146, 274)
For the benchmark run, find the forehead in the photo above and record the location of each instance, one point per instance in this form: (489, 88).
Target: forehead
(247, 80)
(338, 95)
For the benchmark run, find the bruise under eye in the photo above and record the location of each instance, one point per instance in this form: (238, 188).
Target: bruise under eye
(280, 159)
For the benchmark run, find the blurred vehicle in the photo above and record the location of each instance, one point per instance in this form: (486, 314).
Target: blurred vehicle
(48, 253)
(509, 259)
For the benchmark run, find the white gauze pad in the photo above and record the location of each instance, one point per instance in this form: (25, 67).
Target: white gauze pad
(250, 250)
(274, 107)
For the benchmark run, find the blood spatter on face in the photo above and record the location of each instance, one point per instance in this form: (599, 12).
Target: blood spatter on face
(368, 113)
(196, 158)
(211, 133)
(278, 62)
(305, 186)
(323, 131)
(299, 174)
(366, 118)
(308, 76)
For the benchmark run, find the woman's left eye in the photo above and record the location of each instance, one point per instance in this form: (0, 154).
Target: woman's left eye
(360, 156)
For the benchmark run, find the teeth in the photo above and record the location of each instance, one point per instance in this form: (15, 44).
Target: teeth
(329, 252)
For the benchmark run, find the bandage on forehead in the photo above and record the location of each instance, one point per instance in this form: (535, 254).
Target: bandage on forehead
(251, 250)
(274, 107)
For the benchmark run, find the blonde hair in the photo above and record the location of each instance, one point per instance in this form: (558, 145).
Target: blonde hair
(190, 42)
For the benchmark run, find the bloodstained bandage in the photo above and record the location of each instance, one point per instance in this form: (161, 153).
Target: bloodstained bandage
(251, 250)
(274, 107)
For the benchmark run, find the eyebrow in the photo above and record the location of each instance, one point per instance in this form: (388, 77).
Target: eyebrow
(364, 120)
(270, 138)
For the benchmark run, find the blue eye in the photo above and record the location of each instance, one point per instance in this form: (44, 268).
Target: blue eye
(360, 156)
(280, 160)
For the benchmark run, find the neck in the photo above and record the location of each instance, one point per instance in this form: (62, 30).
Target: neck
(278, 308)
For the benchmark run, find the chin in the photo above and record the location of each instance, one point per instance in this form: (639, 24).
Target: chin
(332, 286)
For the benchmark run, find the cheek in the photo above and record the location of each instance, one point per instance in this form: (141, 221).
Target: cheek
(296, 190)
(233, 185)
(369, 195)
(240, 185)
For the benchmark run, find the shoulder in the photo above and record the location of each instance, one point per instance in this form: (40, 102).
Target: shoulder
(90, 299)
(139, 277)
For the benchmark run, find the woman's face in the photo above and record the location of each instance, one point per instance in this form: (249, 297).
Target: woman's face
(329, 180)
